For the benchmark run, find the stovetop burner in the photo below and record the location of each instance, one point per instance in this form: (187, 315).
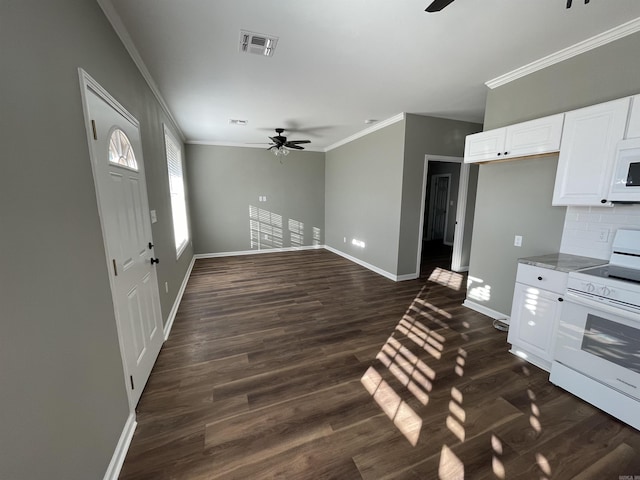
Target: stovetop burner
(614, 272)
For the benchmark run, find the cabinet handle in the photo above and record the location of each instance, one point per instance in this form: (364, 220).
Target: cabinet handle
(604, 200)
(560, 299)
(499, 153)
(539, 278)
(506, 153)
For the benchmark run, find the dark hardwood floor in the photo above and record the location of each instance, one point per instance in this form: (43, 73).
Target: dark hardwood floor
(306, 366)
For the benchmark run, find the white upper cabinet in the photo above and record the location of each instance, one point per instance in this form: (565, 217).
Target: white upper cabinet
(484, 146)
(633, 131)
(534, 137)
(586, 160)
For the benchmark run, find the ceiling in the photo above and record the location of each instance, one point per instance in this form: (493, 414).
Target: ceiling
(340, 62)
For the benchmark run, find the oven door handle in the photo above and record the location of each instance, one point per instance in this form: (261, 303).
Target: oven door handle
(580, 300)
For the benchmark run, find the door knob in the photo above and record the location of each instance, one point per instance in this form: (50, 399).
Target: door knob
(155, 260)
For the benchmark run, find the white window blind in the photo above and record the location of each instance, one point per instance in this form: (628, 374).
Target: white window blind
(176, 189)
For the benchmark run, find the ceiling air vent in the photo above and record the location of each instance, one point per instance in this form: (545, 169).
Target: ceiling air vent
(257, 43)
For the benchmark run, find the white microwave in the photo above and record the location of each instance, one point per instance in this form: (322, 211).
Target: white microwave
(625, 183)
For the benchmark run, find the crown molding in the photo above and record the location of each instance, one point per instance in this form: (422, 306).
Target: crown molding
(125, 38)
(367, 131)
(596, 41)
(244, 145)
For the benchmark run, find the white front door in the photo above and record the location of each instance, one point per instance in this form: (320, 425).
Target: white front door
(122, 199)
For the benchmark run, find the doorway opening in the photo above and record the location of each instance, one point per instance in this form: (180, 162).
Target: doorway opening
(437, 238)
(449, 190)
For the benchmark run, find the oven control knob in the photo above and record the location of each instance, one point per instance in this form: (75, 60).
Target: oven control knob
(590, 287)
(606, 291)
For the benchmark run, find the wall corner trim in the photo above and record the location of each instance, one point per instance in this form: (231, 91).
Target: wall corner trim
(118, 26)
(257, 252)
(367, 131)
(117, 460)
(489, 312)
(596, 41)
(368, 266)
(174, 310)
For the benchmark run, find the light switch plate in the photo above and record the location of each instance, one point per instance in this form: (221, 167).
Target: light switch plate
(154, 217)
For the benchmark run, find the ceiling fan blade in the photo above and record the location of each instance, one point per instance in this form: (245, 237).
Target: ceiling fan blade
(295, 147)
(438, 5)
(299, 141)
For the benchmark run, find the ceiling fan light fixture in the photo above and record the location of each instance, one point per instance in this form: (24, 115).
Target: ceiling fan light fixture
(281, 151)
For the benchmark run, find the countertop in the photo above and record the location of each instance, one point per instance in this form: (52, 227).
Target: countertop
(563, 262)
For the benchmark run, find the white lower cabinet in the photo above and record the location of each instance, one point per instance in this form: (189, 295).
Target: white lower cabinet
(535, 313)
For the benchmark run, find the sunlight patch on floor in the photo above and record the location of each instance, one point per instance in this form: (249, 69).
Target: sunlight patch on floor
(433, 308)
(446, 278)
(450, 468)
(496, 464)
(401, 414)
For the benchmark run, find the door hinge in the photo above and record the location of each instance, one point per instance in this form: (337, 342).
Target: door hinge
(93, 128)
(115, 268)
(131, 378)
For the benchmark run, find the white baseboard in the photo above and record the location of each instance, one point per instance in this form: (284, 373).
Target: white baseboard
(117, 460)
(489, 312)
(373, 268)
(364, 264)
(407, 276)
(256, 252)
(176, 303)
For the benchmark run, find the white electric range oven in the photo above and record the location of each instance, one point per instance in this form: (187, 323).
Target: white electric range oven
(597, 352)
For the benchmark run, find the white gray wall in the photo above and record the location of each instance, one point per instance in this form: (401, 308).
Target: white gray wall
(62, 386)
(608, 72)
(514, 198)
(363, 189)
(226, 181)
(423, 135)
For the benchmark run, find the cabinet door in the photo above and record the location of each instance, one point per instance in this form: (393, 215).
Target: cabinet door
(587, 152)
(634, 118)
(534, 318)
(534, 137)
(484, 146)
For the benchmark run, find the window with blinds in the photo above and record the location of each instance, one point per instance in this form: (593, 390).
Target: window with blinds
(176, 189)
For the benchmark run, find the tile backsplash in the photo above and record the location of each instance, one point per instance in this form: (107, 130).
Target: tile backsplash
(585, 228)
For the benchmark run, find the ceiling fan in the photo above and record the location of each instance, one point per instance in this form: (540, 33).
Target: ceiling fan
(438, 5)
(280, 145)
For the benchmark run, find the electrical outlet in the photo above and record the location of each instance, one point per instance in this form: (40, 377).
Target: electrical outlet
(517, 241)
(603, 235)
(345, 240)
